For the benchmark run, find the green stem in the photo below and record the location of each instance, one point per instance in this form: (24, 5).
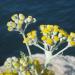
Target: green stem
(60, 51)
(26, 27)
(29, 52)
(39, 47)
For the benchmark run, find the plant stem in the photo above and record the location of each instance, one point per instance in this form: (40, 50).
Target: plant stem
(29, 52)
(48, 55)
(26, 27)
(60, 51)
(39, 47)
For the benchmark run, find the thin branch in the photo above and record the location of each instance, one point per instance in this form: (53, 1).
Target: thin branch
(39, 47)
(40, 42)
(55, 47)
(26, 27)
(30, 55)
(60, 51)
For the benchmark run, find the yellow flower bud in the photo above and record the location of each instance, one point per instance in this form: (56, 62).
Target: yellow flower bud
(9, 23)
(34, 20)
(63, 33)
(42, 27)
(30, 61)
(43, 38)
(26, 40)
(20, 22)
(24, 73)
(72, 34)
(10, 29)
(14, 17)
(33, 37)
(33, 34)
(21, 17)
(56, 26)
(15, 72)
(19, 25)
(69, 38)
(16, 65)
(50, 27)
(28, 73)
(49, 41)
(29, 34)
(36, 62)
(22, 68)
(29, 19)
(13, 25)
(45, 31)
(72, 43)
(21, 61)
(56, 30)
(56, 38)
(25, 64)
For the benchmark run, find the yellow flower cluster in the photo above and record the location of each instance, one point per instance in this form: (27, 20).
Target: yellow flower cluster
(22, 66)
(71, 39)
(17, 21)
(52, 34)
(8, 72)
(31, 37)
(49, 41)
(14, 72)
(13, 65)
(19, 66)
(30, 19)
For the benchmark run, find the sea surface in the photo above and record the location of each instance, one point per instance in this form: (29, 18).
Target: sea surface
(60, 12)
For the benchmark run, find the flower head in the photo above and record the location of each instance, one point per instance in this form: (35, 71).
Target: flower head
(71, 39)
(31, 38)
(72, 43)
(30, 19)
(21, 17)
(49, 41)
(18, 20)
(56, 39)
(56, 29)
(46, 29)
(43, 38)
(63, 33)
(52, 34)
(72, 34)
(11, 25)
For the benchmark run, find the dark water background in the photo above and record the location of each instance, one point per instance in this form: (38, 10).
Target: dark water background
(61, 12)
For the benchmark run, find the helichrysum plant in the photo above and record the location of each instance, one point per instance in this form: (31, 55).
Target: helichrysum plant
(52, 36)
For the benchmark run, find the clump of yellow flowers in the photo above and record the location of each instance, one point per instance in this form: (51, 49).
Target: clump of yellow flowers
(17, 21)
(51, 37)
(31, 38)
(23, 66)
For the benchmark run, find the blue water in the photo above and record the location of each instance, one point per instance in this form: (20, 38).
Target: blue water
(61, 12)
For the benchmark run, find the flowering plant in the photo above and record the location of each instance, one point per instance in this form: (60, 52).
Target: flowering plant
(52, 36)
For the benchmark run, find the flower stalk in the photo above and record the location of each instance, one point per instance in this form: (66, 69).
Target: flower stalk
(29, 52)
